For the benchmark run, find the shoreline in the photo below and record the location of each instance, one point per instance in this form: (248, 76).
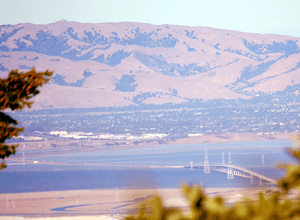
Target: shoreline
(233, 137)
(115, 145)
(103, 204)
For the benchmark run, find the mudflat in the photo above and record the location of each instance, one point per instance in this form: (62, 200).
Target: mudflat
(101, 204)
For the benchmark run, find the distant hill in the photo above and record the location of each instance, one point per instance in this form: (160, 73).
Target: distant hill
(122, 64)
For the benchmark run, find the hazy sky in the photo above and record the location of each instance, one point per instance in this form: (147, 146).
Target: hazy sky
(257, 16)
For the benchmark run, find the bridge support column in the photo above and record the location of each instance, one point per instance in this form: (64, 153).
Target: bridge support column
(7, 203)
(206, 163)
(23, 154)
(260, 182)
(117, 194)
(251, 179)
(230, 174)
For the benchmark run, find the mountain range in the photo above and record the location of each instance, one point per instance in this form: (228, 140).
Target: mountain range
(123, 64)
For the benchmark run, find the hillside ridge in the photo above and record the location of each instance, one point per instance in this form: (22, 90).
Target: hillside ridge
(122, 64)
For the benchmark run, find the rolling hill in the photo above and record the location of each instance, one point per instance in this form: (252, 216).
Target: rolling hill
(122, 64)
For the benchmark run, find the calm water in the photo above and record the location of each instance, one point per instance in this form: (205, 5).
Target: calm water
(87, 170)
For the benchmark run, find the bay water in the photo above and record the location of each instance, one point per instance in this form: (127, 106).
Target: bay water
(134, 168)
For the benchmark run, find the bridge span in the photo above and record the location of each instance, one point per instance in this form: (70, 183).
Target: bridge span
(223, 168)
(236, 171)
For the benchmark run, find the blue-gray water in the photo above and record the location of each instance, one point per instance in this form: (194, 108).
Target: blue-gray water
(86, 170)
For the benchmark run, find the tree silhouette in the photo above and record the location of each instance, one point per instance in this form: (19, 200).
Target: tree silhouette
(15, 92)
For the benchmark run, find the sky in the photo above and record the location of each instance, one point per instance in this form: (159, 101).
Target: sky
(254, 16)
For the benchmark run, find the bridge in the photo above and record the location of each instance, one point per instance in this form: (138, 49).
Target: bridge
(231, 170)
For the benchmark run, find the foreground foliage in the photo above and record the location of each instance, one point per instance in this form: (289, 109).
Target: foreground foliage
(275, 206)
(15, 92)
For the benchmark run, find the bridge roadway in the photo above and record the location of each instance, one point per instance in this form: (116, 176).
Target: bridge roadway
(254, 174)
(234, 167)
(218, 168)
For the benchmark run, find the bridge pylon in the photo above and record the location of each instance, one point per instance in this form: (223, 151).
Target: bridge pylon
(206, 163)
(223, 158)
(7, 203)
(230, 174)
(117, 194)
(23, 155)
(260, 182)
(191, 165)
(251, 179)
